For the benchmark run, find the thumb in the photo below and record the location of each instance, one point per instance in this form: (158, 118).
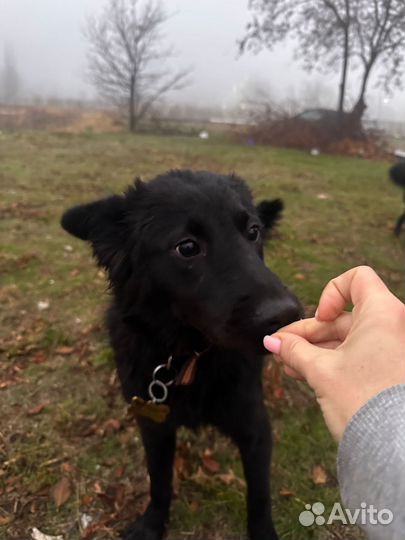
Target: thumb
(294, 351)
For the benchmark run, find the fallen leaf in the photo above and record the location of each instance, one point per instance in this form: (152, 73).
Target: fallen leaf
(323, 196)
(37, 409)
(36, 534)
(179, 466)
(210, 464)
(61, 492)
(200, 477)
(98, 488)
(109, 426)
(319, 475)
(300, 277)
(87, 500)
(230, 478)
(5, 520)
(39, 357)
(67, 468)
(286, 493)
(64, 350)
(194, 506)
(43, 304)
(118, 472)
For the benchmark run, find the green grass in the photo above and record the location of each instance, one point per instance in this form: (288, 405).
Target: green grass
(319, 237)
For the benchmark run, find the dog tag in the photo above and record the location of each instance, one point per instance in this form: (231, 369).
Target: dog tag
(157, 412)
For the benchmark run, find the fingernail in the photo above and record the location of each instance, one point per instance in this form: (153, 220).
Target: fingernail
(272, 344)
(316, 314)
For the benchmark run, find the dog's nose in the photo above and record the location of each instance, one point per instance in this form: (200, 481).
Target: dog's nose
(273, 315)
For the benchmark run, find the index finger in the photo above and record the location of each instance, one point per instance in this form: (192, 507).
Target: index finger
(354, 286)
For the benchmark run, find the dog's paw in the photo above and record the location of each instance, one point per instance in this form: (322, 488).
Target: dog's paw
(150, 526)
(138, 531)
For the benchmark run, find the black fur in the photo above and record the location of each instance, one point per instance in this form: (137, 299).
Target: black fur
(223, 298)
(397, 175)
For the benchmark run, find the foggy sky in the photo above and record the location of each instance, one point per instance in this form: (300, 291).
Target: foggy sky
(50, 53)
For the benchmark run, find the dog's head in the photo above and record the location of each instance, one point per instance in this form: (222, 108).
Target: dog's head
(188, 246)
(397, 174)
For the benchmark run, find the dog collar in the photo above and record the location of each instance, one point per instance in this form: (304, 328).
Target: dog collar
(164, 375)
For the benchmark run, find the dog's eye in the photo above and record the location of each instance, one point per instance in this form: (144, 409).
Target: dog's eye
(253, 233)
(188, 248)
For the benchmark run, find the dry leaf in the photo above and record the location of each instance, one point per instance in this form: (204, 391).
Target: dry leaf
(300, 277)
(210, 464)
(37, 409)
(87, 500)
(194, 506)
(229, 478)
(67, 468)
(200, 477)
(5, 520)
(97, 487)
(36, 534)
(111, 425)
(180, 467)
(64, 350)
(61, 492)
(319, 475)
(39, 357)
(286, 493)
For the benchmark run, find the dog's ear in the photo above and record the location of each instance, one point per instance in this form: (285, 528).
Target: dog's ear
(103, 224)
(270, 212)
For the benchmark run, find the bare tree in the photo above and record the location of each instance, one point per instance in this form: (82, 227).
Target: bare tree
(321, 29)
(331, 33)
(379, 40)
(10, 80)
(127, 63)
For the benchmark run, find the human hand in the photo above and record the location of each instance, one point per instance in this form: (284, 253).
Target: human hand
(346, 358)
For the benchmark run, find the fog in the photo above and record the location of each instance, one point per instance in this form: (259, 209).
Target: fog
(50, 55)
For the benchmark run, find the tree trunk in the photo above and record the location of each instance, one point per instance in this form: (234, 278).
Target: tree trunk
(131, 109)
(342, 86)
(360, 105)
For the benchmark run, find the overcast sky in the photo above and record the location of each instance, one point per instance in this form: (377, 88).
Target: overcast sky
(51, 54)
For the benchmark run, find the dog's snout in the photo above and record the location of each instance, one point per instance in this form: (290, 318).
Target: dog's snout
(273, 315)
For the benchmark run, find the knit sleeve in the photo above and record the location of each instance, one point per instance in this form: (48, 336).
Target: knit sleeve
(371, 465)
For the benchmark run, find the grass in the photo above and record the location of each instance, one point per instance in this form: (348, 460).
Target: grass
(62, 414)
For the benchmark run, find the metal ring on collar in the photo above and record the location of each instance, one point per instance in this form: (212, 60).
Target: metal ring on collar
(156, 371)
(162, 387)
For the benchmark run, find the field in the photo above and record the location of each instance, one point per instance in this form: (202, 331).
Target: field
(71, 462)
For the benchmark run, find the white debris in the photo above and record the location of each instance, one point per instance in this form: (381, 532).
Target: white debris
(51, 282)
(399, 153)
(85, 520)
(42, 305)
(68, 248)
(204, 134)
(36, 534)
(323, 196)
(314, 151)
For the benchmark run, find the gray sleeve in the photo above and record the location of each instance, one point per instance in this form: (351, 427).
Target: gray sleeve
(371, 465)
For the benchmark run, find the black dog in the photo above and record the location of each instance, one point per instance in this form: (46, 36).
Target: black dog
(397, 175)
(191, 294)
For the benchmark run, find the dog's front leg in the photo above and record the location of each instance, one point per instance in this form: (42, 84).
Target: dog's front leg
(159, 442)
(398, 226)
(254, 442)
